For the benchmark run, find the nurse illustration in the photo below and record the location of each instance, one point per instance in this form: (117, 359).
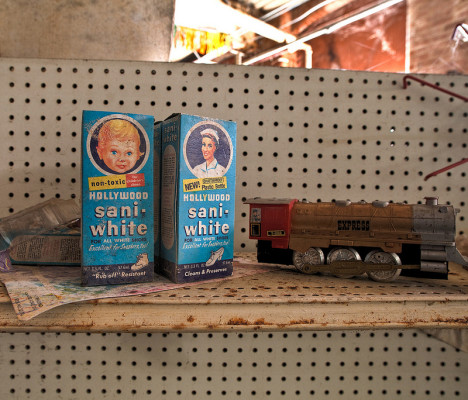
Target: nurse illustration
(210, 167)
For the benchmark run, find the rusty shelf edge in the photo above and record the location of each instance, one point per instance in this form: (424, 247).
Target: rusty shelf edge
(86, 317)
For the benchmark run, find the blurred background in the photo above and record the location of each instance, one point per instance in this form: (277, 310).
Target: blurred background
(423, 36)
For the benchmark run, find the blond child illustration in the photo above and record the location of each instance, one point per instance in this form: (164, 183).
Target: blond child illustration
(119, 145)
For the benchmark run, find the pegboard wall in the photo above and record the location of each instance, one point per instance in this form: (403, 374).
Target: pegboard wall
(300, 365)
(318, 135)
(309, 134)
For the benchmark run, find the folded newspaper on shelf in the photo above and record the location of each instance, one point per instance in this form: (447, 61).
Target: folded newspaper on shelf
(34, 290)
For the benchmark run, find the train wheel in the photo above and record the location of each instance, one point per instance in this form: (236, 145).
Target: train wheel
(343, 254)
(303, 261)
(382, 257)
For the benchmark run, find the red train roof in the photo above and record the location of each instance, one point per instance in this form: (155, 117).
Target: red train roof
(259, 200)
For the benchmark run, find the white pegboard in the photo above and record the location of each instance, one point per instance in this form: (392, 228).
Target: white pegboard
(301, 365)
(314, 134)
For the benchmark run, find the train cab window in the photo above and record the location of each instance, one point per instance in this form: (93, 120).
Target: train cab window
(255, 230)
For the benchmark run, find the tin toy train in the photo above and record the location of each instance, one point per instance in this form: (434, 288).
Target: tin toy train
(347, 239)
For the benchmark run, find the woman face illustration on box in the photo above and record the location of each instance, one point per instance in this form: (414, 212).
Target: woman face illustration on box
(211, 167)
(209, 146)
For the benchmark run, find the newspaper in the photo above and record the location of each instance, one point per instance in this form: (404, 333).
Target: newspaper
(34, 290)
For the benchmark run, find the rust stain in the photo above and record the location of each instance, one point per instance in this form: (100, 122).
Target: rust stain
(238, 321)
(190, 318)
(261, 321)
(452, 320)
(302, 322)
(179, 326)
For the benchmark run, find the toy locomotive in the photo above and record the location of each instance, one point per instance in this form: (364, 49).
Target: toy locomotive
(349, 239)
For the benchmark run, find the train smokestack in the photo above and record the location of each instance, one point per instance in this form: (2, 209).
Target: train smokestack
(431, 201)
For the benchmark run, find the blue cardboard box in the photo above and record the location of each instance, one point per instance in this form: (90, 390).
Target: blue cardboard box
(157, 192)
(117, 198)
(198, 172)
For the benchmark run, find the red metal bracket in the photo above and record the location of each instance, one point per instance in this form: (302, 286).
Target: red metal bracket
(425, 83)
(448, 167)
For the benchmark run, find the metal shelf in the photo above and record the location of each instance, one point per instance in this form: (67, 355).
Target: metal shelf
(282, 299)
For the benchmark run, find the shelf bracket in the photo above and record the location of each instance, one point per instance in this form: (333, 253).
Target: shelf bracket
(425, 83)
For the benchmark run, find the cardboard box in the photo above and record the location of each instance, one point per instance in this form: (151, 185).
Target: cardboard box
(157, 192)
(43, 234)
(117, 198)
(59, 247)
(198, 171)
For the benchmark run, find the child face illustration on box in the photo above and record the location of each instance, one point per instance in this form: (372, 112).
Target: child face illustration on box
(119, 145)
